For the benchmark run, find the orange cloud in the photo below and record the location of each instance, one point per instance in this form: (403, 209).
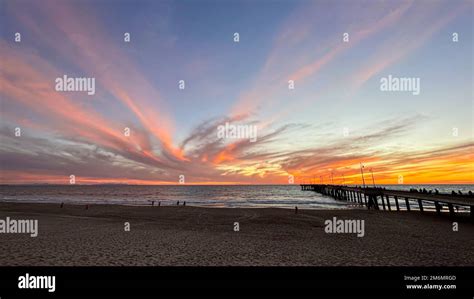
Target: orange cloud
(98, 56)
(70, 119)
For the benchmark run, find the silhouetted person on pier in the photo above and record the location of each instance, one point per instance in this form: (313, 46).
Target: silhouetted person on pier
(177, 203)
(152, 203)
(159, 203)
(184, 203)
(370, 203)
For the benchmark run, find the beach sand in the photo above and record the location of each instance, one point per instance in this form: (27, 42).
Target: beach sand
(195, 236)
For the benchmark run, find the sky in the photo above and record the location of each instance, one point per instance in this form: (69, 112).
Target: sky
(335, 119)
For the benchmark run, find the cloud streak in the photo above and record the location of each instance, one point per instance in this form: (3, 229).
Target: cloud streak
(68, 133)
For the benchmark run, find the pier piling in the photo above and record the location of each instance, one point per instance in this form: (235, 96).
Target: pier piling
(369, 196)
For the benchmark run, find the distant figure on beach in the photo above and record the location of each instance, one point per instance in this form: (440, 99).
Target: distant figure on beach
(152, 203)
(159, 203)
(177, 203)
(436, 191)
(87, 207)
(470, 193)
(62, 204)
(184, 203)
(453, 193)
(296, 210)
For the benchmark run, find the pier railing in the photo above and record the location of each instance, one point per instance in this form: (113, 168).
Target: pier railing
(379, 198)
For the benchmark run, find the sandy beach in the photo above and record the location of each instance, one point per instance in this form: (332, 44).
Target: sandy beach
(193, 236)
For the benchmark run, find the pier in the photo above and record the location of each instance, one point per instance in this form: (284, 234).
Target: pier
(379, 198)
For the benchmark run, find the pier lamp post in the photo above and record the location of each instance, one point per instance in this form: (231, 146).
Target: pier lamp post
(373, 181)
(362, 173)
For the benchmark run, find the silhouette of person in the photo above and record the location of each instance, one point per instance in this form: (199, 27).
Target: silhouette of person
(370, 203)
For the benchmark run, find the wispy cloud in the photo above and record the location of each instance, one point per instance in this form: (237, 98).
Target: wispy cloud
(67, 133)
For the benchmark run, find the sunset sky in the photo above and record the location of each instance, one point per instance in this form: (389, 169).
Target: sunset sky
(173, 132)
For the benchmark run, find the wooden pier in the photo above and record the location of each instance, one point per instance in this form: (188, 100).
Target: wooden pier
(379, 198)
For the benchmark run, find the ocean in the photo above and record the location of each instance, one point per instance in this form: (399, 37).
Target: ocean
(228, 196)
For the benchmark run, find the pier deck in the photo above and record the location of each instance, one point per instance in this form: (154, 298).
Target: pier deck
(376, 197)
